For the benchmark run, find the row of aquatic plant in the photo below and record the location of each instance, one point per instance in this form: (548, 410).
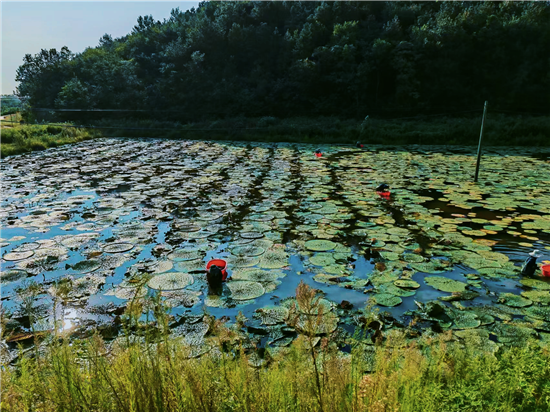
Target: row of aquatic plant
(29, 138)
(155, 371)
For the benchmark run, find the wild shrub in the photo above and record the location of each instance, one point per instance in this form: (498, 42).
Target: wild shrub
(54, 130)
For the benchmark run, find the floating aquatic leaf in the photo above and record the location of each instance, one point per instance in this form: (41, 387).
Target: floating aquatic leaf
(319, 245)
(18, 255)
(513, 300)
(538, 312)
(248, 251)
(182, 255)
(445, 284)
(243, 290)
(25, 247)
(130, 293)
(464, 295)
(386, 299)
(171, 281)
(12, 275)
(540, 296)
(256, 275)
(118, 247)
(535, 283)
(242, 261)
(322, 259)
(389, 255)
(407, 283)
(252, 235)
(274, 259)
(86, 266)
(413, 258)
(177, 298)
(272, 315)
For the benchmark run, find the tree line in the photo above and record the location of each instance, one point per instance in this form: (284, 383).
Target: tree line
(282, 59)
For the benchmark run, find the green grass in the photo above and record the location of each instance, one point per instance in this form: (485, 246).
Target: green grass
(160, 375)
(28, 138)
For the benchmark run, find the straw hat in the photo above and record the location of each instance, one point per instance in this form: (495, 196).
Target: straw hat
(535, 253)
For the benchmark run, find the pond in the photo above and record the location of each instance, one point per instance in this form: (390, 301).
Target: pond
(90, 227)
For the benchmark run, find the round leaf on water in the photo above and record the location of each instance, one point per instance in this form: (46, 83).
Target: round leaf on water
(445, 284)
(248, 251)
(535, 284)
(18, 255)
(406, 283)
(183, 255)
(413, 258)
(322, 259)
(118, 247)
(272, 315)
(243, 290)
(256, 275)
(385, 299)
(540, 296)
(171, 281)
(389, 255)
(12, 275)
(86, 266)
(252, 235)
(515, 301)
(274, 259)
(130, 293)
(320, 245)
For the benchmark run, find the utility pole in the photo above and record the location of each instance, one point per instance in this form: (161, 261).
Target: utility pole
(479, 146)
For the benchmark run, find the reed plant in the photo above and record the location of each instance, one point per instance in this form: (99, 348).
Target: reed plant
(29, 138)
(160, 373)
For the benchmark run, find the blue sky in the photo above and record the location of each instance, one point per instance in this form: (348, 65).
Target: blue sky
(28, 27)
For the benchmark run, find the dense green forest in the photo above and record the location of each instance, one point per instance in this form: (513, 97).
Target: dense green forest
(9, 104)
(282, 59)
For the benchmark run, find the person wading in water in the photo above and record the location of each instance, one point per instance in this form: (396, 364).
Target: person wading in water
(530, 265)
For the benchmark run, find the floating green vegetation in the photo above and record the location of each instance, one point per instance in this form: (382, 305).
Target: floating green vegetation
(171, 281)
(386, 299)
(513, 300)
(270, 210)
(118, 247)
(244, 290)
(320, 245)
(445, 284)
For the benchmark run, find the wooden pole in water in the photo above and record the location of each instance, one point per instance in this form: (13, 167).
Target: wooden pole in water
(479, 146)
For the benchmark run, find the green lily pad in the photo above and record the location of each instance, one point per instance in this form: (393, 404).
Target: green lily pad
(445, 284)
(272, 315)
(171, 281)
(322, 259)
(535, 284)
(118, 247)
(413, 258)
(407, 284)
(243, 290)
(12, 275)
(18, 255)
(86, 266)
(248, 251)
(540, 296)
(385, 299)
(256, 275)
(516, 301)
(320, 245)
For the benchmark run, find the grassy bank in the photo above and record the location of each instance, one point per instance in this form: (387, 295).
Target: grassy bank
(499, 130)
(157, 372)
(28, 138)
